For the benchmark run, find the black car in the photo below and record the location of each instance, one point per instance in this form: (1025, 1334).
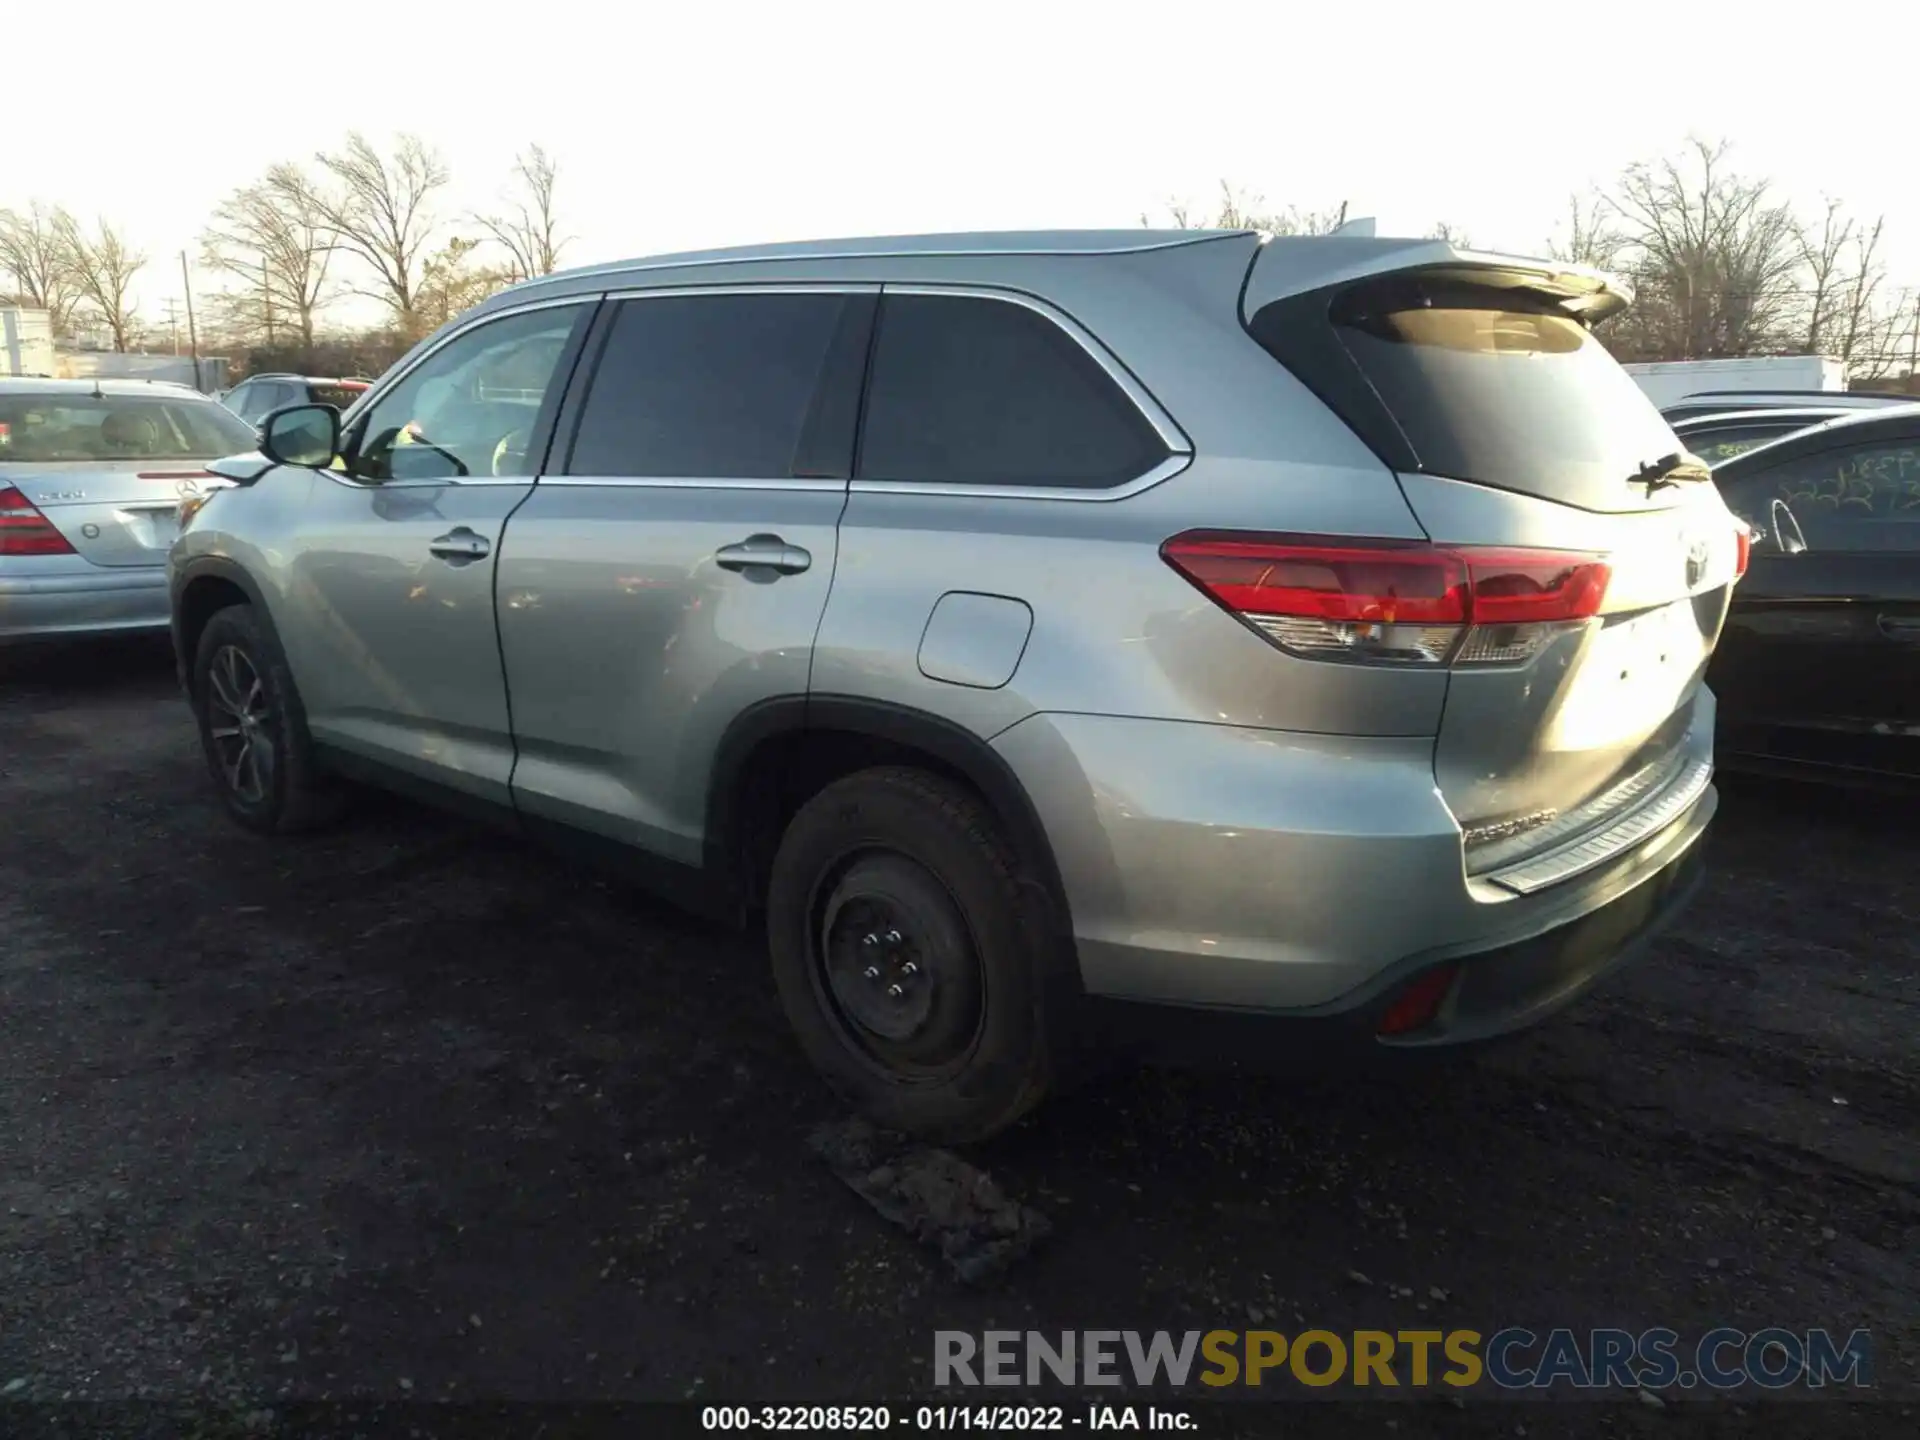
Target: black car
(1818, 668)
(1715, 402)
(1718, 437)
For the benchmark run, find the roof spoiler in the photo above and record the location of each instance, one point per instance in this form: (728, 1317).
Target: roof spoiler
(1290, 265)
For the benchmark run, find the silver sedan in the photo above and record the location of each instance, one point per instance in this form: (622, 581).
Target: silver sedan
(92, 479)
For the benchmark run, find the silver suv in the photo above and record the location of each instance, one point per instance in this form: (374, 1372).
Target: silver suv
(1044, 633)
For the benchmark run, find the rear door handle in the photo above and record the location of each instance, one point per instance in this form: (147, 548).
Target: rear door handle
(1900, 628)
(460, 545)
(763, 552)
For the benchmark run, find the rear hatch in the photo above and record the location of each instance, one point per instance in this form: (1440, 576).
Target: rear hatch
(109, 470)
(1592, 558)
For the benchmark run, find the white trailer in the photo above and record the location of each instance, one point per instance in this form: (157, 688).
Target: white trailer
(26, 341)
(1668, 382)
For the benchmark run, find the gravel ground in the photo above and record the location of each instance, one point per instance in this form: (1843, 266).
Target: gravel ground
(410, 1110)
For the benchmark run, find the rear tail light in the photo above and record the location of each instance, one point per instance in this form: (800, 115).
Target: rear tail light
(24, 530)
(1402, 602)
(1743, 547)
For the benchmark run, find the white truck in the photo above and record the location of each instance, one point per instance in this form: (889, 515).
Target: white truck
(26, 341)
(1668, 382)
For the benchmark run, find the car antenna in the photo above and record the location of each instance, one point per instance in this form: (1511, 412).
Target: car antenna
(96, 389)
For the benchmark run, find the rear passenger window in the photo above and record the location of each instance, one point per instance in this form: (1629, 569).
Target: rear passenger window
(748, 386)
(976, 391)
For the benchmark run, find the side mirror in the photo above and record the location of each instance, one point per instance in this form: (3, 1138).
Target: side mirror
(306, 435)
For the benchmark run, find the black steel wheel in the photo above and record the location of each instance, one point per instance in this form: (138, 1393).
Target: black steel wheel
(911, 956)
(899, 965)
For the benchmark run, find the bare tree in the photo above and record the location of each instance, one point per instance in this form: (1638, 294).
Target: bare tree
(1721, 268)
(451, 283)
(1868, 317)
(1452, 234)
(1241, 211)
(103, 269)
(34, 252)
(273, 240)
(1821, 254)
(1715, 259)
(1591, 236)
(378, 208)
(527, 228)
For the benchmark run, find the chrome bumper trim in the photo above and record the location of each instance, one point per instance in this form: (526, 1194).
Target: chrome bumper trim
(1540, 871)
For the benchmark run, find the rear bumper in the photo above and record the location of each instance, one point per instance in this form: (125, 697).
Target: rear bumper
(1495, 992)
(78, 603)
(1299, 875)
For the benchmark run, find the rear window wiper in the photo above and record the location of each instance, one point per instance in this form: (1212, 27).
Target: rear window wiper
(1669, 470)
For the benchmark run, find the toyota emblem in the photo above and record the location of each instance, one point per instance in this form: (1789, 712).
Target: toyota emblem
(1696, 562)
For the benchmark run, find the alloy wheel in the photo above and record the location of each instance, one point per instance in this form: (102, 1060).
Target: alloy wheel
(239, 720)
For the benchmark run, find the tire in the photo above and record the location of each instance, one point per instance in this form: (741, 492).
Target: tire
(897, 871)
(262, 766)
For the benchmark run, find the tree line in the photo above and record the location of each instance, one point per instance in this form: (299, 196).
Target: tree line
(357, 221)
(1721, 264)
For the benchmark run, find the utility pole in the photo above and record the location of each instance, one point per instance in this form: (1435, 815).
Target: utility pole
(1913, 344)
(193, 335)
(173, 322)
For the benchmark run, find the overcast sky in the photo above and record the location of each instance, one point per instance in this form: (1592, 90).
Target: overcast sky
(695, 125)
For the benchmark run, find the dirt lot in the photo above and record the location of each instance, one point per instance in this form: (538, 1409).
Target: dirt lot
(408, 1110)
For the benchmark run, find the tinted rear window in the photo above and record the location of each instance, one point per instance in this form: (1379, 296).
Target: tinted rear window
(977, 391)
(51, 429)
(1475, 383)
(338, 396)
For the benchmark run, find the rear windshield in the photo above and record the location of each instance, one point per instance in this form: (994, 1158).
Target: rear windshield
(1478, 383)
(53, 428)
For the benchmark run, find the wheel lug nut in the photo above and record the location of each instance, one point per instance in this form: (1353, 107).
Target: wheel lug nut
(869, 939)
(909, 968)
(895, 992)
(893, 937)
(872, 972)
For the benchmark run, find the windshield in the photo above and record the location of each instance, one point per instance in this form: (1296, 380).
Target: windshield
(1505, 389)
(68, 427)
(1716, 447)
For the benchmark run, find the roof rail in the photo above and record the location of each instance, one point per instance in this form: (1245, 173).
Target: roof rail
(1759, 414)
(966, 243)
(1831, 396)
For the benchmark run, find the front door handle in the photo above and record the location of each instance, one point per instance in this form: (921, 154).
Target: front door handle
(460, 545)
(763, 552)
(1903, 628)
